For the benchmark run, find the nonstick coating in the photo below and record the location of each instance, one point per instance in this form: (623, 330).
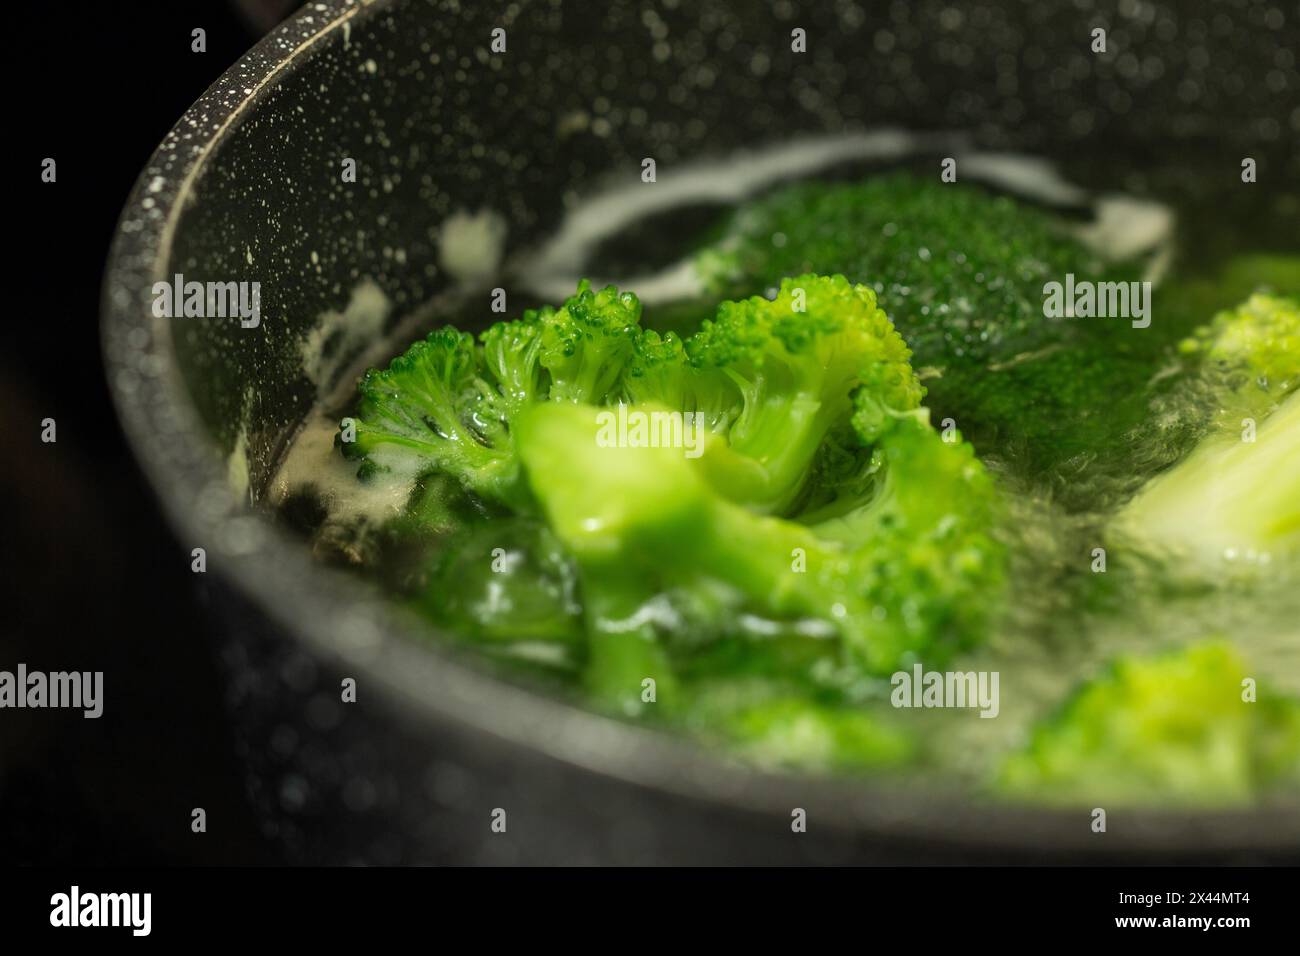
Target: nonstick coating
(248, 187)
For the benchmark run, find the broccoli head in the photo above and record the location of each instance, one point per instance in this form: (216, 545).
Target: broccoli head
(587, 341)
(1251, 354)
(1177, 728)
(960, 270)
(818, 501)
(961, 273)
(915, 570)
(1234, 501)
(798, 360)
(433, 408)
(775, 377)
(449, 402)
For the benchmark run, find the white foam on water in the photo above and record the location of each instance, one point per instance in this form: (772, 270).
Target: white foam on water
(553, 270)
(312, 460)
(1124, 226)
(344, 334)
(470, 245)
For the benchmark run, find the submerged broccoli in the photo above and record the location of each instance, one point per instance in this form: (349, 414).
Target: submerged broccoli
(1235, 499)
(959, 270)
(773, 724)
(1178, 728)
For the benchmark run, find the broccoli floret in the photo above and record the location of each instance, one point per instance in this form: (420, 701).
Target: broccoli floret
(927, 556)
(1171, 729)
(1235, 499)
(660, 372)
(821, 504)
(448, 403)
(1251, 353)
(774, 725)
(511, 354)
(775, 377)
(914, 571)
(958, 269)
(432, 408)
(586, 343)
(798, 359)
(961, 272)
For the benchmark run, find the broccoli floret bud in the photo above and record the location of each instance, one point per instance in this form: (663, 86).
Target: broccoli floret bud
(1251, 354)
(660, 372)
(797, 360)
(511, 354)
(430, 409)
(587, 342)
(449, 404)
(1234, 501)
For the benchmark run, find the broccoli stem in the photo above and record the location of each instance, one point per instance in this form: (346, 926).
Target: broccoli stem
(1231, 499)
(623, 647)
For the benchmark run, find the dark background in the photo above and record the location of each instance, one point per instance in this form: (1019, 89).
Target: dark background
(92, 578)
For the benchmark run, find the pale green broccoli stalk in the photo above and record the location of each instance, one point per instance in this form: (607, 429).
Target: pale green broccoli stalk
(1234, 501)
(649, 508)
(448, 403)
(921, 575)
(624, 652)
(1173, 729)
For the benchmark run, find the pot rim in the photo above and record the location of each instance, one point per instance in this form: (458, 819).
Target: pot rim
(337, 616)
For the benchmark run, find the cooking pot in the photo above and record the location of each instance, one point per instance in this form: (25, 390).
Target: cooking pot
(444, 118)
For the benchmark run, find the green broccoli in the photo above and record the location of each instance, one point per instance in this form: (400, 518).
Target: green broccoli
(586, 343)
(1253, 352)
(1177, 728)
(448, 402)
(509, 584)
(1234, 501)
(915, 570)
(775, 376)
(661, 372)
(821, 504)
(773, 724)
(961, 272)
(799, 360)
